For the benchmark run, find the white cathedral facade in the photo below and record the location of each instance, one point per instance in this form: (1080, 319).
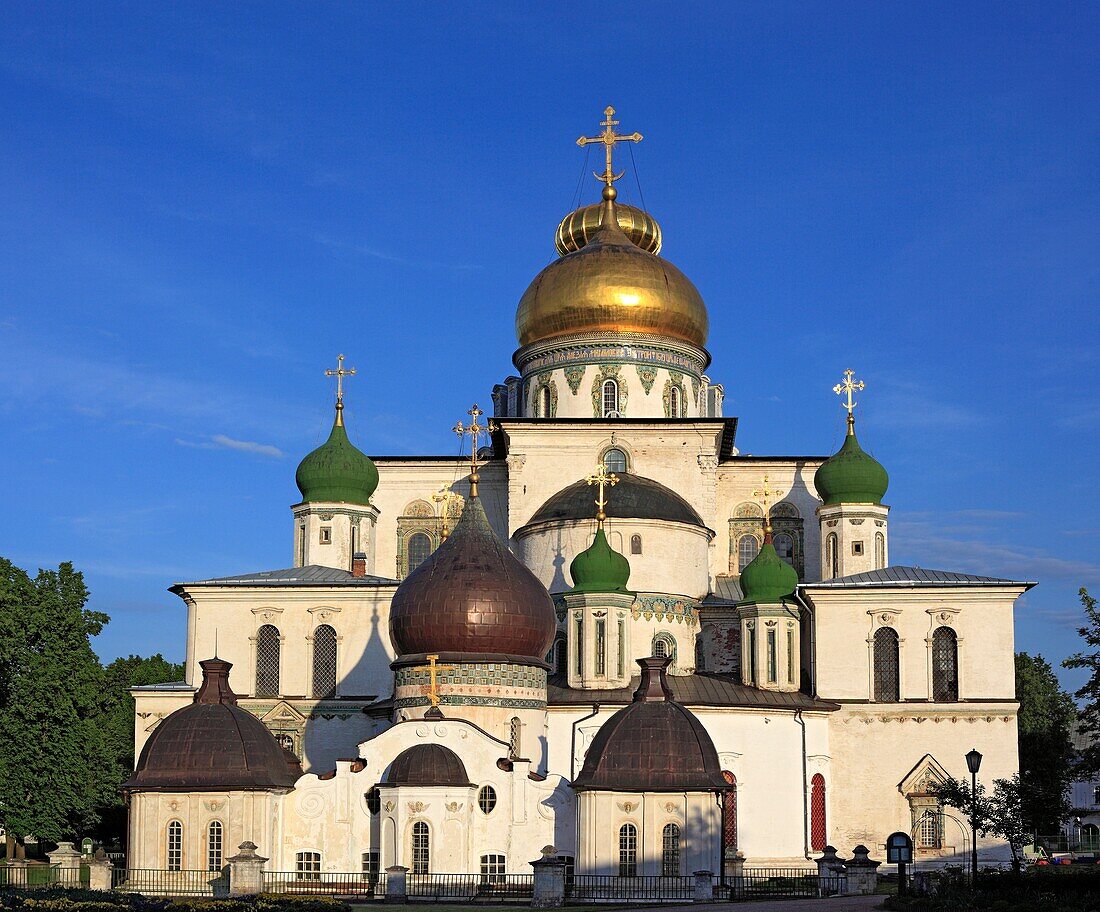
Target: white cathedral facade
(462, 667)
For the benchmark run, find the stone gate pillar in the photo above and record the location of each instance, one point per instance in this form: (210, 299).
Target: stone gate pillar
(67, 861)
(246, 871)
(549, 890)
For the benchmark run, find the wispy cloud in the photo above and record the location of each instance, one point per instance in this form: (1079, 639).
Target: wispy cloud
(377, 254)
(221, 442)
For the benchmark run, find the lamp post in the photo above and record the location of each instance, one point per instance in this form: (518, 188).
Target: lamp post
(973, 763)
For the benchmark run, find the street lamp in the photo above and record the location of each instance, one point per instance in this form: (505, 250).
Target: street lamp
(973, 763)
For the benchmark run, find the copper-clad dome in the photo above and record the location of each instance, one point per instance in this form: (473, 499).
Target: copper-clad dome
(212, 745)
(653, 745)
(426, 765)
(636, 497)
(611, 286)
(472, 595)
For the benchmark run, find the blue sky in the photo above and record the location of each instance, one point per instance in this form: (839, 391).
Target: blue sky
(203, 203)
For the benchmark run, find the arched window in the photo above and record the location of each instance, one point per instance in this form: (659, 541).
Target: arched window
(214, 835)
(614, 460)
(945, 665)
(675, 403)
(628, 850)
(610, 399)
(880, 551)
(174, 846)
(664, 646)
(487, 799)
(419, 546)
(543, 404)
(324, 661)
(421, 848)
(817, 813)
(559, 656)
(515, 728)
(374, 800)
(700, 653)
(887, 679)
(268, 647)
(493, 868)
(928, 830)
(307, 866)
(747, 548)
(670, 850)
(635, 544)
(784, 547)
(1090, 836)
(729, 814)
(832, 558)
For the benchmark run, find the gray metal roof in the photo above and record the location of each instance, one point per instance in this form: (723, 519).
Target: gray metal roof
(912, 577)
(310, 575)
(700, 689)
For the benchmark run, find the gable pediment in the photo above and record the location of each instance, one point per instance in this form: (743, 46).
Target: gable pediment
(927, 773)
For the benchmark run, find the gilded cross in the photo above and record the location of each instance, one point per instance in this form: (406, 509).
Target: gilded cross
(433, 684)
(765, 493)
(604, 479)
(340, 373)
(444, 497)
(473, 430)
(609, 137)
(846, 388)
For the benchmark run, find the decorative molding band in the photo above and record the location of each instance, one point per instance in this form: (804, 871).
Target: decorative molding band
(461, 700)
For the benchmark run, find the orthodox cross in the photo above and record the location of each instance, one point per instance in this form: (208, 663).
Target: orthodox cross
(609, 137)
(766, 493)
(604, 479)
(340, 373)
(433, 684)
(473, 430)
(846, 388)
(444, 497)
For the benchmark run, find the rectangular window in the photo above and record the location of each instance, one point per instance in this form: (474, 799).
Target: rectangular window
(492, 869)
(578, 653)
(371, 866)
(214, 846)
(301, 546)
(307, 865)
(325, 535)
(1096, 794)
(790, 655)
(773, 671)
(421, 848)
(601, 647)
(752, 657)
(622, 647)
(175, 846)
(857, 548)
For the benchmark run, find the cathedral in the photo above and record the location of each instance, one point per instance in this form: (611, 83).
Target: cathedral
(603, 630)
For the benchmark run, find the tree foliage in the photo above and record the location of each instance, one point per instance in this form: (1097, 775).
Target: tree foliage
(1088, 724)
(1046, 719)
(999, 814)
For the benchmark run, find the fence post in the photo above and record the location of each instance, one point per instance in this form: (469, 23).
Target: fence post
(17, 872)
(862, 872)
(67, 861)
(734, 873)
(396, 886)
(829, 868)
(704, 886)
(549, 887)
(246, 871)
(99, 871)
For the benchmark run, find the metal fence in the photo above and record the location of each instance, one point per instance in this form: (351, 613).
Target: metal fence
(759, 883)
(35, 876)
(153, 882)
(652, 887)
(326, 883)
(470, 887)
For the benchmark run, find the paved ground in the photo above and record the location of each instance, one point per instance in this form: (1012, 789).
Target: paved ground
(834, 904)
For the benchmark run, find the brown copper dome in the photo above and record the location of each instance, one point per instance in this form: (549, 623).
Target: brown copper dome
(472, 596)
(427, 764)
(652, 745)
(214, 745)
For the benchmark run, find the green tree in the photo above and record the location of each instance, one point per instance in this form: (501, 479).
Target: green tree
(1046, 718)
(1088, 724)
(999, 814)
(55, 765)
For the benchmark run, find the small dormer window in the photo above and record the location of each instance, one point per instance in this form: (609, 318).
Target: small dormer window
(325, 537)
(857, 548)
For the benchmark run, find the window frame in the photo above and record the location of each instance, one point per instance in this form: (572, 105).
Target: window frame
(742, 541)
(173, 845)
(269, 638)
(494, 868)
(325, 636)
(616, 468)
(886, 661)
(628, 850)
(215, 854)
(671, 856)
(487, 799)
(610, 384)
(307, 865)
(419, 533)
(420, 855)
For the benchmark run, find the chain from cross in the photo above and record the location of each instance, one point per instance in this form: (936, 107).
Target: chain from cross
(609, 137)
(765, 493)
(604, 479)
(433, 683)
(473, 430)
(340, 373)
(846, 388)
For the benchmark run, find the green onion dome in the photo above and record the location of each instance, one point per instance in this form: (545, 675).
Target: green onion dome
(337, 472)
(851, 475)
(600, 568)
(768, 578)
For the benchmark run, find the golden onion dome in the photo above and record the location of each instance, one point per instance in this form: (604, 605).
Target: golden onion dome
(613, 286)
(577, 227)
